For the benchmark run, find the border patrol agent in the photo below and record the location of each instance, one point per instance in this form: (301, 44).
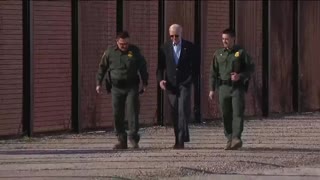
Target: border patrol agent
(123, 63)
(230, 72)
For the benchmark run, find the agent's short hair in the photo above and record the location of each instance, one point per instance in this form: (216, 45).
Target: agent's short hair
(230, 32)
(123, 35)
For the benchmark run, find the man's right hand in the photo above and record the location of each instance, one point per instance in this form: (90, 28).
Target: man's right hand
(211, 93)
(163, 84)
(98, 89)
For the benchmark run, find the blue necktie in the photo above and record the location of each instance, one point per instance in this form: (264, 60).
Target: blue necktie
(175, 49)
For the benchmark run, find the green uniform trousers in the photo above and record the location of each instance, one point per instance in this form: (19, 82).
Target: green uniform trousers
(126, 99)
(232, 106)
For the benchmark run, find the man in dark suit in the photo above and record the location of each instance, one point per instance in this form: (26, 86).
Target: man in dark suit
(178, 67)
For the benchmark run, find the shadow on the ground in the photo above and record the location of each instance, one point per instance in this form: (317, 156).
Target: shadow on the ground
(130, 150)
(281, 149)
(75, 151)
(69, 177)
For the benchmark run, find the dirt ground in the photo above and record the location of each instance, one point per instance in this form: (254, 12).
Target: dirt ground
(270, 146)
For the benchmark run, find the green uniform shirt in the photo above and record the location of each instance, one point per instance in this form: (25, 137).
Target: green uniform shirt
(223, 64)
(123, 65)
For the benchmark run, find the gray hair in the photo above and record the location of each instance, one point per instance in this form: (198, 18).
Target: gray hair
(176, 27)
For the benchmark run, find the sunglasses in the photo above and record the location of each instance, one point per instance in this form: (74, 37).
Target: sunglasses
(174, 36)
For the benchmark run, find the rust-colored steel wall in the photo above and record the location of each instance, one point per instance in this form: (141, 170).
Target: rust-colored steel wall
(97, 31)
(309, 63)
(183, 13)
(52, 65)
(281, 43)
(215, 19)
(11, 65)
(52, 56)
(249, 35)
(141, 20)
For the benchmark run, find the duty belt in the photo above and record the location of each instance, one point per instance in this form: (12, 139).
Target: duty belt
(124, 83)
(230, 83)
(226, 82)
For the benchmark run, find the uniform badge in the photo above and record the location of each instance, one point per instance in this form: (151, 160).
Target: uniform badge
(130, 54)
(237, 54)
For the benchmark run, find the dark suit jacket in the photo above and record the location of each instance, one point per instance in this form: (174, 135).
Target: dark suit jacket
(185, 72)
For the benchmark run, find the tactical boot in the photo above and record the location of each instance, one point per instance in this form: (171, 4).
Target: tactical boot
(122, 142)
(228, 146)
(236, 144)
(134, 140)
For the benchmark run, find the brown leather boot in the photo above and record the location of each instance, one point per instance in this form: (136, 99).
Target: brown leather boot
(236, 144)
(134, 140)
(228, 146)
(122, 142)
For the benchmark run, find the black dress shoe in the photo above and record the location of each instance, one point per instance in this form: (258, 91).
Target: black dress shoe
(186, 139)
(178, 146)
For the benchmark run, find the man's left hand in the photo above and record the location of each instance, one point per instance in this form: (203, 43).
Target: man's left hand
(144, 88)
(235, 76)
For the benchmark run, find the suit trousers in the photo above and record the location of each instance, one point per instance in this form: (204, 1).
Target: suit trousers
(180, 111)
